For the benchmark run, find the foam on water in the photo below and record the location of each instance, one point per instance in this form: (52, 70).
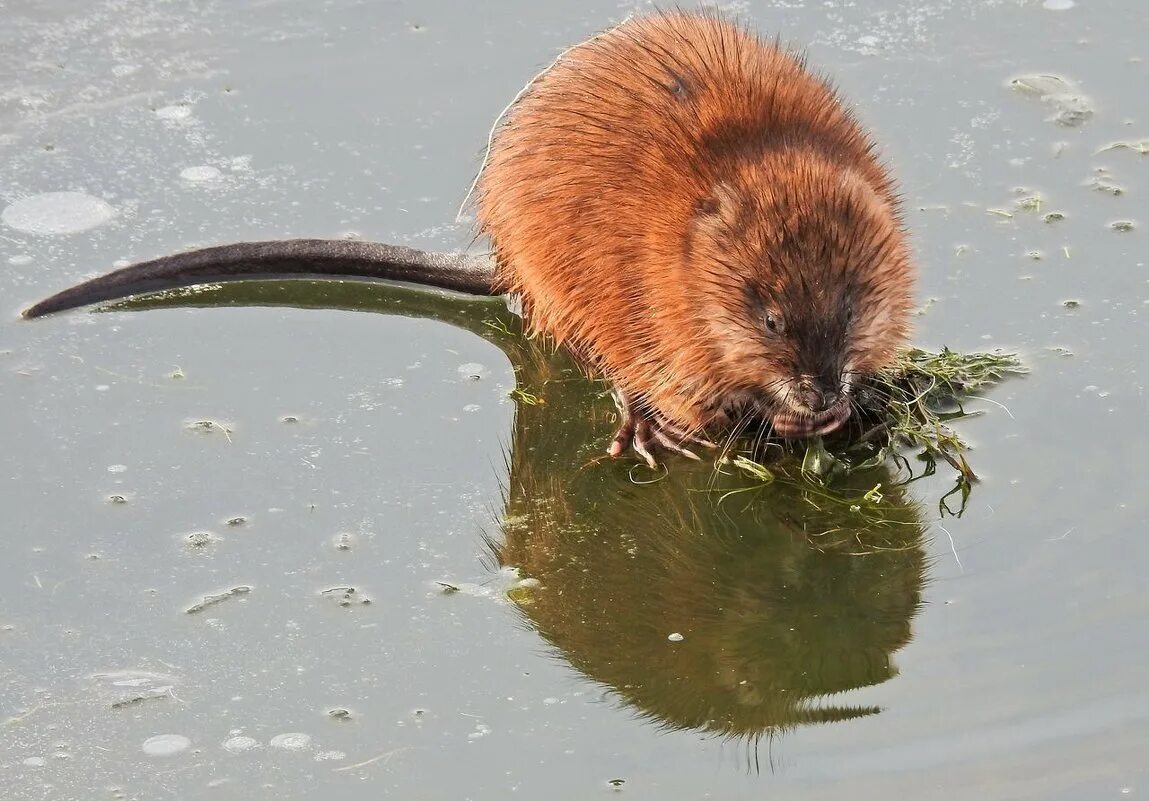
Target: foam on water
(55, 213)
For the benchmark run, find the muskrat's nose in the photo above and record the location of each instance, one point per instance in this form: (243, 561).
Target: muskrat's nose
(814, 397)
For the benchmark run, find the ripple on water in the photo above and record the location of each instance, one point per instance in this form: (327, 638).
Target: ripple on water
(57, 213)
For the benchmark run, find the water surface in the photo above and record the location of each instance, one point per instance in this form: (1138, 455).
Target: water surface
(404, 585)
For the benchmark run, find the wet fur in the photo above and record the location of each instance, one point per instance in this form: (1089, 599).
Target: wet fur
(666, 184)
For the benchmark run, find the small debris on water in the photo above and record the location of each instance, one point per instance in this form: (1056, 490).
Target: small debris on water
(158, 694)
(209, 427)
(1141, 147)
(346, 596)
(211, 600)
(1030, 203)
(1071, 108)
(1103, 182)
(200, 539)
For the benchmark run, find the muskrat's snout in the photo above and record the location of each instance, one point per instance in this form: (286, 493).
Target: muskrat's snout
(816, 407)
(815, 395)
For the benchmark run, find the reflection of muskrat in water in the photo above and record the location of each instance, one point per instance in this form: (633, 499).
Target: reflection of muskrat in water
(786, 596)
(685, 207)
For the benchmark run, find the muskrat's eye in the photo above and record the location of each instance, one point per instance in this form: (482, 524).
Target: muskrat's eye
(773, 322)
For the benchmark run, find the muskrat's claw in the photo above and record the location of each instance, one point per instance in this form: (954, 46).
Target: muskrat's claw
(644, 432)
(669, 429)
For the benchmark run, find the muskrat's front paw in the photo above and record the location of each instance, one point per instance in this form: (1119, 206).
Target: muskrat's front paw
(646, 433)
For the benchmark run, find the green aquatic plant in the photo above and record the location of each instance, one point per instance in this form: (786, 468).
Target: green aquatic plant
(924, 391)
(908, 412)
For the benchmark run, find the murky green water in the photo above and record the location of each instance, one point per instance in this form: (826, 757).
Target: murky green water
(402, 584)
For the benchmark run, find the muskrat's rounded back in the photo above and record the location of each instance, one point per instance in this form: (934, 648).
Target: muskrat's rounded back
(597, 174)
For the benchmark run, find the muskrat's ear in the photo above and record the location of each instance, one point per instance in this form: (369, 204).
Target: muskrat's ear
(720, 203)
(716, 216)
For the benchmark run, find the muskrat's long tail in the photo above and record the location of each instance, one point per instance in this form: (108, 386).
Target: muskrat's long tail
(292, 258)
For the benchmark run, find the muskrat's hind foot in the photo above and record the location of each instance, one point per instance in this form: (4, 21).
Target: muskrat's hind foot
(644, 432)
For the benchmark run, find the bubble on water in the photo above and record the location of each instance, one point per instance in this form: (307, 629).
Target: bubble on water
(291, 741)
(124, 70)
(200, 174)
(20, 260)
(35, 762)
(473, 371)
(237, 745)
(57, 213)
(174, 113)
(1058, 5)
(166, 745)
(117, 468)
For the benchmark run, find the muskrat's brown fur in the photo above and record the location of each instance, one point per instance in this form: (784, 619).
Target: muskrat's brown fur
(686, 207)
(669, 183)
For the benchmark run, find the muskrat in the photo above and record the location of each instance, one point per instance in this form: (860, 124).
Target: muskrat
(686, 208)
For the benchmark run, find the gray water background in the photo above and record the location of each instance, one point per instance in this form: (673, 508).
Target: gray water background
(1025, 675)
